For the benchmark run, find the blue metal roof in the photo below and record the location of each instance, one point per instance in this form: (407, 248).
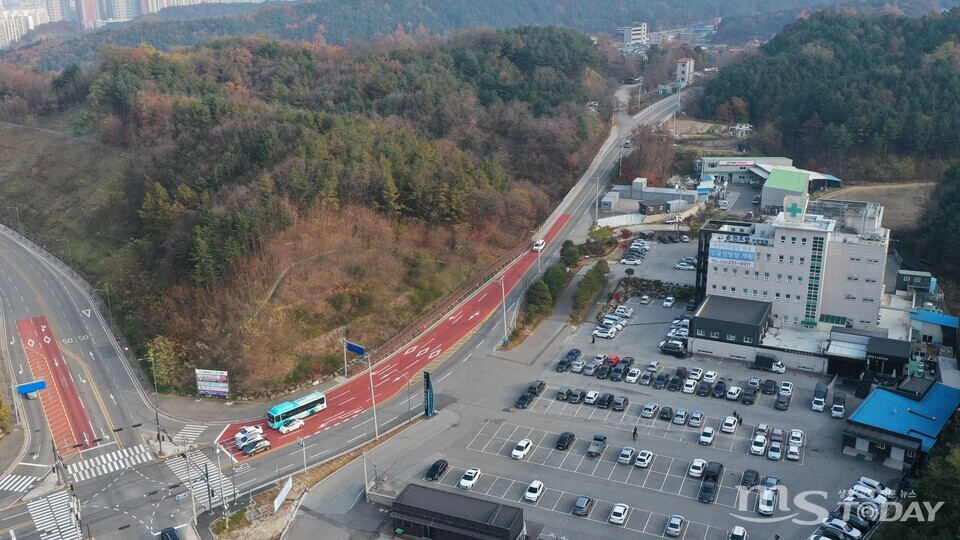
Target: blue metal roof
(921, 420)
(933, 317)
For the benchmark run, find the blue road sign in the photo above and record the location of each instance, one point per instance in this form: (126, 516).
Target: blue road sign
(31, 386)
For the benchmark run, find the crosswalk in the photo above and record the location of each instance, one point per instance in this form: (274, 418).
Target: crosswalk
(16, 482)
(108, 463)
(52, 518)
(199, 466)
(188, 434)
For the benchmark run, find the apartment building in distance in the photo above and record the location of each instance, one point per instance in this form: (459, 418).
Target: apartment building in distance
(820, 264)
(633, 35)
(685, 67)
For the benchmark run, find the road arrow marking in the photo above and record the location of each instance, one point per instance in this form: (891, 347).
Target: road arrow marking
(113, 400)
(474, 315)
(85, 312)
(21, 369)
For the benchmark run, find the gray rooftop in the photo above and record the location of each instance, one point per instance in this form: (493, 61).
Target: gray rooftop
(461, 506)
(726, 308)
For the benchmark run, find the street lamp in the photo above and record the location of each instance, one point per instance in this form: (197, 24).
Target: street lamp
(223, 495)
(503, 302)
(17, 208)
(373, 399)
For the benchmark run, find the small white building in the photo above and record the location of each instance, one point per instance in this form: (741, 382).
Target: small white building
(685, 67)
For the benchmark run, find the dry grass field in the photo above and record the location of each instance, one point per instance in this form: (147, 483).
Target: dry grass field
(901, 202)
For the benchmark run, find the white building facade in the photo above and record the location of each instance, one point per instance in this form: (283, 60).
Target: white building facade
(15, 23)
(633, 35)
(818, 271)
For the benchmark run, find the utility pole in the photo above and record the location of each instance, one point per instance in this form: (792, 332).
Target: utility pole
(373, 399)
(206, 478)
(193, 500)
(223, 495)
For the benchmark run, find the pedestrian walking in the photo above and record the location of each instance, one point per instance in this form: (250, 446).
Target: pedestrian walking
(634, 432)
(593, 339)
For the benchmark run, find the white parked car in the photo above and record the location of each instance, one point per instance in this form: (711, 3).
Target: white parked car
(875, 485)
(291, 425)
(729, 424)
(469, 478)
(623, 311)
(842, 527)
(250, 437)
(678, 332)
(633, 375)
(793, 453)
(650, 410)
(520, 451)
(685, 266)
(644, 459)
(775, 452)
(644, 300)
(668, 301)
(796, 438)
(618, 516)
(696, 419)
(539, 244)
(696, 468)
(695, 374)
(608, 333)
(734, 392)
(710, 377)
(591, 397)
(690, 386)
(533, 492)
(767, 502)
(631, 261)
(707, 435)
(786, 388)
(759, 445)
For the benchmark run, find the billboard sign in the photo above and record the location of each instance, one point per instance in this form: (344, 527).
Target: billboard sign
(212, 383)
(32, 386)
(727, 254)
(736, 163)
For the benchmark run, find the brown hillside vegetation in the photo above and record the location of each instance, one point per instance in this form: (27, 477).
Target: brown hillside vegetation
(339, 268)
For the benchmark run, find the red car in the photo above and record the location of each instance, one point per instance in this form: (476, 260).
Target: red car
(611, 361)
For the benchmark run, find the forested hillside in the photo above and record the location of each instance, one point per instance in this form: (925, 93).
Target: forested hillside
(380, 181)
(339, 22)
(739, 29)
(836, 86)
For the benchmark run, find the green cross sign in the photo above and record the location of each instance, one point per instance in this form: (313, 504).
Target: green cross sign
(794, 210)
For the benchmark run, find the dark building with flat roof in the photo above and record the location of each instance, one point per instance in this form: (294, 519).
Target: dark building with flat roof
(424, 512)
(734, 320)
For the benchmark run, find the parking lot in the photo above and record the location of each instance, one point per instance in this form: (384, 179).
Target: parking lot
(660, 260)
(664, 487)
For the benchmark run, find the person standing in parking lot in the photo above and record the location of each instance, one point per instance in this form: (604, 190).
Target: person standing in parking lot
(634, 432)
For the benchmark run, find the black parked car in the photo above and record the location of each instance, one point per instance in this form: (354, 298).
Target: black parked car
(566, 440)
(563, 394)
(627, 361)
(603, 371)
(691, 304)
(577, 396)
(564, 364)
(605, 401)
(618, 372)
(436, 470)
(782, 403)
(674, 239)
(708, 491)
(621, 403)
(704, 389)
(770, 387)
(749, 396)
(750, 478)
(719, 390)
(666, 413)
(574, 354)
(675, 384)
(525, 400)
(660, 381)
(682, 372)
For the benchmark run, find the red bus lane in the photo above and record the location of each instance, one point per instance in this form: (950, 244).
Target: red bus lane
(65, 414)
(390, 376)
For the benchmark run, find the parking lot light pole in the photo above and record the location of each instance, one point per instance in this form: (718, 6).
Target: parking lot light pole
(409, 410)
(223, 495)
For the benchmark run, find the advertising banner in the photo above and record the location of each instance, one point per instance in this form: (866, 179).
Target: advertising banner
(727, 254)
(213, 383)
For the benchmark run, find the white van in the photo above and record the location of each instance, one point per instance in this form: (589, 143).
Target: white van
(865, 492)
(723, 205)
(876, 486)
